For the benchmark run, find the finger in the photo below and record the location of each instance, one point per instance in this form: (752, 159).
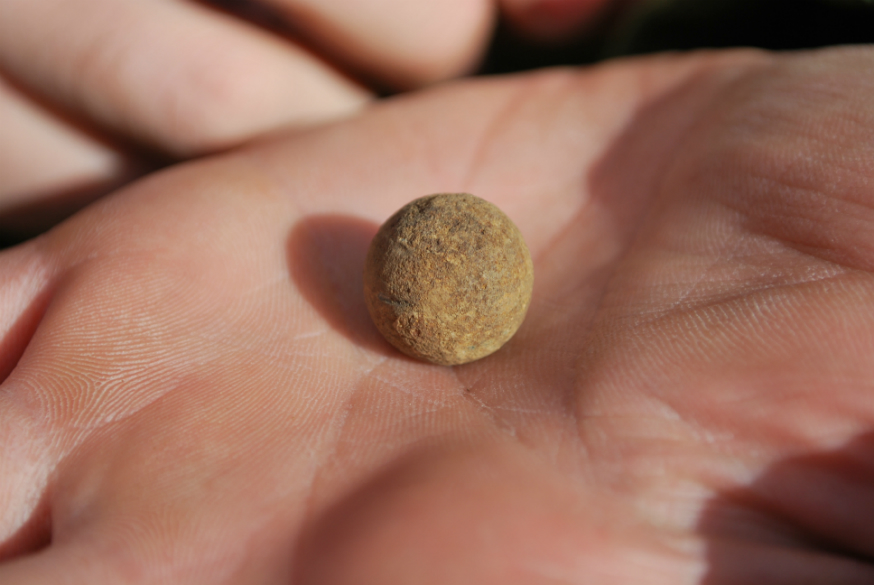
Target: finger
(553, 20)
(406, 43)
(173, 74)
(49, 167)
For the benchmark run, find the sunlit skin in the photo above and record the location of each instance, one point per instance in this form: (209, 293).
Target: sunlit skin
(194, 392)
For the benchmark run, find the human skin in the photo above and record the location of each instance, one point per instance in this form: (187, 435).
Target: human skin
(194, 393)
(96, 93)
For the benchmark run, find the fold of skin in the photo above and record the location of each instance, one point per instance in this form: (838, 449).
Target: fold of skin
(193, 392)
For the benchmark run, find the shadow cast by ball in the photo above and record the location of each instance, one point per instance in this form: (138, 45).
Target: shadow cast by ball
(326, 256)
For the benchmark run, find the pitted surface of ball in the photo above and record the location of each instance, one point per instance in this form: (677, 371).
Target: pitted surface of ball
(448, 278)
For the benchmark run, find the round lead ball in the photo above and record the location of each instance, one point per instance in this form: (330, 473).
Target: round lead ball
(448, 279)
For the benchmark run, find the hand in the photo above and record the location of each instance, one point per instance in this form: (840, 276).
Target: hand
(98, 92)
(200, 397)
(85, 85)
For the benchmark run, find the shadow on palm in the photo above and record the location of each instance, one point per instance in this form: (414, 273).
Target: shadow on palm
(804, 518)
(326, 262)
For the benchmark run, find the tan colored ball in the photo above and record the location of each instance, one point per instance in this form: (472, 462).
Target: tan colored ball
(448, 279)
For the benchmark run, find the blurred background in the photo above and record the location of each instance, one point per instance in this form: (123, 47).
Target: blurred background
(647, 26)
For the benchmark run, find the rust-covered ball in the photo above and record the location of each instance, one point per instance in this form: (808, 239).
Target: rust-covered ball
(448, 278)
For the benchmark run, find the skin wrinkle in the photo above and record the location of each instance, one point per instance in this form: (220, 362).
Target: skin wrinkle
(724, 255)
(279, 353)
(817, 205)
(468, 394)
(695, 425)
(401, 389)
(79, 430)
(702, 313)
(468, 390)
(508, 429)
(310, 510)
(822, 251)
(279, 282)
(799, 176)
(654, 318)
(692, 425)
(583, 421)
(250, 410)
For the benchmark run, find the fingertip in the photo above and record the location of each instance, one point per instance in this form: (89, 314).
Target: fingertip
(451, 46)
(403, 44)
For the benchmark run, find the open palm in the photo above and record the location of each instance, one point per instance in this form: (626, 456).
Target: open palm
(194, 393)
